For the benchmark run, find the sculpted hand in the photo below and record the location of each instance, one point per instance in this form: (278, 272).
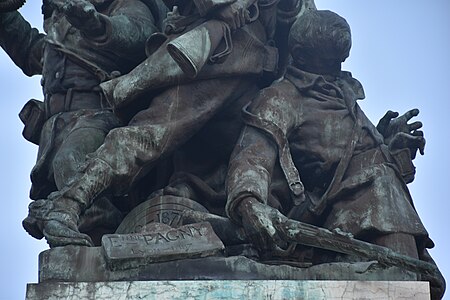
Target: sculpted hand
(261, 224)
(391, 124)
(399, 134)
(235, 14)
(413, 142)
(83, 15)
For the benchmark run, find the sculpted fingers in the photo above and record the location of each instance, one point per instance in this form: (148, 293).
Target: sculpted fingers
(410, 114)
(414, 126)
(388, 116)
(259, 231)
(266, 220)
(261, 223)
(83, 15)
(413, 142)
(418, 142)
(403, 140)
(78, 8)
(391, 125)
(419, 134)
(384, 122)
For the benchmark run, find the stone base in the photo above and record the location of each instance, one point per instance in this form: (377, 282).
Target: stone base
(87, 264)
(229, 289)
(75, 272)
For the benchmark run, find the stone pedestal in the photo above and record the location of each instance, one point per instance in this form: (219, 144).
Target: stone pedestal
(229, 289)
(75, 272)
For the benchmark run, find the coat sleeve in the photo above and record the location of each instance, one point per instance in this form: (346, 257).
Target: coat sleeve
(128, 26)
(22, 43)
(255, 154)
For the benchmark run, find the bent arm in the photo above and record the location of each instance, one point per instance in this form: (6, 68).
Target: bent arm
(127, 27)
(250, 169)
(256, 152)
(22, 43)
(120, 28)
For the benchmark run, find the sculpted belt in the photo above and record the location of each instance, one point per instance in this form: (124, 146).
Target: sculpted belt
(400, 160)
(74, 100)
(366, 159)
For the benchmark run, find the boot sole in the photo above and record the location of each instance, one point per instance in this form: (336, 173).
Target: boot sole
(30, 225)
(59, 234)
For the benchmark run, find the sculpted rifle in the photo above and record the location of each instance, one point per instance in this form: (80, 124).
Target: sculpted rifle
(310, 235)
(297, 232)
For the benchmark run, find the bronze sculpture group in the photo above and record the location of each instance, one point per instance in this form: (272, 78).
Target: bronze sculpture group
(238, 105)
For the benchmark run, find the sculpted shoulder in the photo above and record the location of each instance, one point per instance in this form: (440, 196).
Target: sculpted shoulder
(279, 92)
(281, 88)
(278, 104)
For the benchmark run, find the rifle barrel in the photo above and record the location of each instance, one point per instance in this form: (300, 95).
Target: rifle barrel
(310, 235)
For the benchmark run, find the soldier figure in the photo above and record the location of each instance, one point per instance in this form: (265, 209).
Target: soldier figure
(173, 115)
(334, 168)
(85, 44)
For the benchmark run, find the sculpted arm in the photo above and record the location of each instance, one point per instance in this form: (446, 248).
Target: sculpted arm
(21, 42)
(250, 174)
(123, 27)
(256, 151)
(403, 139)
(248, 184)
(250, 170)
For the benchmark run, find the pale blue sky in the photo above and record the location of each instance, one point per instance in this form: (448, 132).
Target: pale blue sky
(400, 54)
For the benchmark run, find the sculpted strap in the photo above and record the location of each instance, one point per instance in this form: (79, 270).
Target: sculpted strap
(287, 164)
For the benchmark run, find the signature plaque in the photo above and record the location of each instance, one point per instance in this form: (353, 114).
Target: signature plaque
(123, 251)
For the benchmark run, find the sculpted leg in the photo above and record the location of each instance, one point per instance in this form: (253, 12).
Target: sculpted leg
(57, 218)
(157, 71)
(130, 152)
(71, 156)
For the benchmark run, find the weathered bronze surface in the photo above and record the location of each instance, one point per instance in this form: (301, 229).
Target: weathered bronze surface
(161, 209)
(160, 243)
(171, 129)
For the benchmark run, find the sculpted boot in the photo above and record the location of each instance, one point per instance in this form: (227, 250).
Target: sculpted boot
(57, 217)
(57, 221)
(161, 70)
(157, 71)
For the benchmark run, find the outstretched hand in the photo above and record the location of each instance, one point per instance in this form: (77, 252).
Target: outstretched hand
(82, 15)
(400, 134)
(261, 224)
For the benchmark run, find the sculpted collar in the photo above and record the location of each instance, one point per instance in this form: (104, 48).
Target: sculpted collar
(344, 86)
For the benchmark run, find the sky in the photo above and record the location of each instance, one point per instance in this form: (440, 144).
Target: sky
(401, 55)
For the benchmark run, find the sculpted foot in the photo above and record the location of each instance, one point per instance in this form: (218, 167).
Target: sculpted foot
(57, 221)
(64, 233)
(33, 223)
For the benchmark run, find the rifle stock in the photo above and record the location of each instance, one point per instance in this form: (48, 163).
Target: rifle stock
(310, 235)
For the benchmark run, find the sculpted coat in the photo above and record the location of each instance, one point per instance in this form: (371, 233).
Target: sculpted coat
(319, 118)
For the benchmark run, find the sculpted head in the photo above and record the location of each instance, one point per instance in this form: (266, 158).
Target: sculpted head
(319, 41)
